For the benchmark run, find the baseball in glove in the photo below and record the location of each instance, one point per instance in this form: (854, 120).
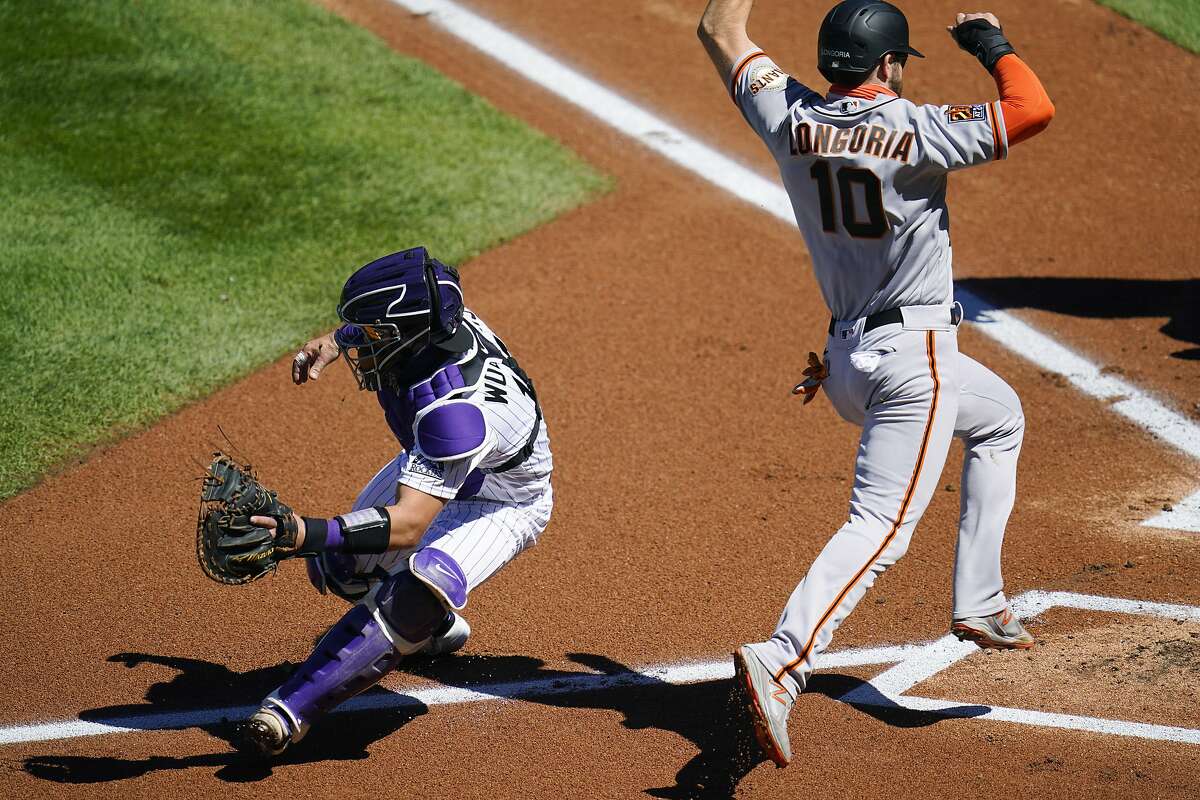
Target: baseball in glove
(230, 548)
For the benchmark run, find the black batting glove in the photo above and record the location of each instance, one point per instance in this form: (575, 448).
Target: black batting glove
(983, 40)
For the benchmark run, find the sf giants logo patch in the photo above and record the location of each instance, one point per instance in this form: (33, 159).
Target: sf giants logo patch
(767, 76)
(965, 113)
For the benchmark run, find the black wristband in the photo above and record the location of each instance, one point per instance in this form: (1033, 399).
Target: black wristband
(367, 531)
(983, 40)
(316, 534)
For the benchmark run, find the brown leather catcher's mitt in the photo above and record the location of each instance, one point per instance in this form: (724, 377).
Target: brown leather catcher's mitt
(229, 548)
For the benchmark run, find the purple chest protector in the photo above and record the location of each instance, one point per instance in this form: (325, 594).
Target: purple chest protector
(445, 432)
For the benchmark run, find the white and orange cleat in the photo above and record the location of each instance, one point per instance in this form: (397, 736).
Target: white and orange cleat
(768, 703)
(999, 631)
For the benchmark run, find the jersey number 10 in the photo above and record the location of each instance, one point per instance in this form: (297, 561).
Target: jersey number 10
(876, 223)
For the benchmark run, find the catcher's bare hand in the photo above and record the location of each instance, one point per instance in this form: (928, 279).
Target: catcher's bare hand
(960, 18)
(270, 524)
(313, 357)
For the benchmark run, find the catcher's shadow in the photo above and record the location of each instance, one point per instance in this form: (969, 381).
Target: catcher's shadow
(700, 712)
(172, 705)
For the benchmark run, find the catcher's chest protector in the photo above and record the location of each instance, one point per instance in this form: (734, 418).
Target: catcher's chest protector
(446, 416)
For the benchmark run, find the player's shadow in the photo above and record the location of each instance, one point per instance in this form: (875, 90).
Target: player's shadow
(1104, 298)
(708, 714)
(184, 702)
(704, 713)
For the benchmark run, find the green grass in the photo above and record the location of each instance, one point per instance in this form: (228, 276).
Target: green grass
(1178, 20)
(185, 185)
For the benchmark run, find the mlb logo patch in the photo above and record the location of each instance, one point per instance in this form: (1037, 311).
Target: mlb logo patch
(972, 113)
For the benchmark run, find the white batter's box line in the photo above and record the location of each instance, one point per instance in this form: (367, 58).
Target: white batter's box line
(887, 689)
(943, 653)
(913, 663)
(1183, 516)
(689, 153)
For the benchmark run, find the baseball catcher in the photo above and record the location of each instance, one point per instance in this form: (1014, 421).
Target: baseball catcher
(468, 492)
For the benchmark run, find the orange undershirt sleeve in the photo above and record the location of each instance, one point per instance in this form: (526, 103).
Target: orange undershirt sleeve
(1027, 107)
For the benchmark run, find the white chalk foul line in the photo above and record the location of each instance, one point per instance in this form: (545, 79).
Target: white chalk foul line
(559, 684)
(694, 156)
(914, 663)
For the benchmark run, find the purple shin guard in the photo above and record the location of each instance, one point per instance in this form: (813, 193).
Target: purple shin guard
(367, 643)
(352, 657)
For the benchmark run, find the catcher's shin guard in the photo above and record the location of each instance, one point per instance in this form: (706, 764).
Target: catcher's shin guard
(395, 620)
(352, 657)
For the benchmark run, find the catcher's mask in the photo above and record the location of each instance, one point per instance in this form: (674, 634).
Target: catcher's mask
(395, 308)
(855, 34)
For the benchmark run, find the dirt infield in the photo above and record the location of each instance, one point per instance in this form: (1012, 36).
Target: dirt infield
(664, 325)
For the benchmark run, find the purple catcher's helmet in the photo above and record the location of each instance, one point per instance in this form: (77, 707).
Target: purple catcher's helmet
(394, 308)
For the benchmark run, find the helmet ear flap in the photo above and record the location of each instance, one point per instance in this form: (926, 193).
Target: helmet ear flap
(442, 323)
(436, 323)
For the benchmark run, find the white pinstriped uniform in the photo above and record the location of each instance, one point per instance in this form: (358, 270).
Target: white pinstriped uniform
(510, 509)
(867, 172)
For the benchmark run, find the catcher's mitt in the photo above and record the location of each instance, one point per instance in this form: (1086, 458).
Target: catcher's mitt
(229, 548)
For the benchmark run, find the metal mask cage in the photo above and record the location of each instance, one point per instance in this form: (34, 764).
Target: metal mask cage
(371, 349)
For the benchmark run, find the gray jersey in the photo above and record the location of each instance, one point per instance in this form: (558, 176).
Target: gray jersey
(866, 173)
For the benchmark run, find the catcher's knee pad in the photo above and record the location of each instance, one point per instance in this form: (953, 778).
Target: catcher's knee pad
(438, 570)
(414, 603)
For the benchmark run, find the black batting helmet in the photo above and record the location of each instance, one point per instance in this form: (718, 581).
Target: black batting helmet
(855, 35)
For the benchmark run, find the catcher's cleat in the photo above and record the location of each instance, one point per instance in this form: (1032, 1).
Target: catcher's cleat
(448, 638)
(265, 734)
(999, 631)
(768, 703)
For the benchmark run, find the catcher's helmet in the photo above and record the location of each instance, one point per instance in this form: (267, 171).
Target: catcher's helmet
(855, 35)
(394, 308)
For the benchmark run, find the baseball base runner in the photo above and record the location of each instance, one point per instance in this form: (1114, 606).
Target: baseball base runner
(867, 173)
